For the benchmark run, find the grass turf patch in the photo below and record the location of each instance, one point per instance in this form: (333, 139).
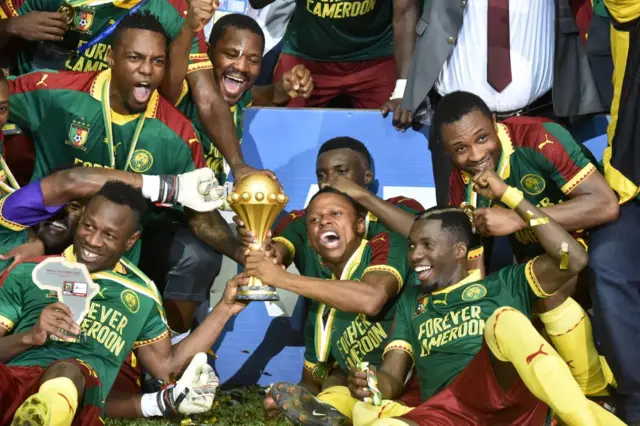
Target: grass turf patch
(240, 406)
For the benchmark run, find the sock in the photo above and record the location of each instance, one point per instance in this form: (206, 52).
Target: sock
(388, 422)
(62, 397)
(149, 405)
(367, 415)
(339, 398)
(569, 329)
(512, 338)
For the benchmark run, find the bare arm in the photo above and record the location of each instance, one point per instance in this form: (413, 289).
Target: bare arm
(79, 182)
(162, 360)
(397, 219)
(177, 66)
(272, 95)
(13, 344)
(215, 117)
(396, 365)
(296, 82)
(405, 19)
(211, 228)
(367, 296)
(551, 235)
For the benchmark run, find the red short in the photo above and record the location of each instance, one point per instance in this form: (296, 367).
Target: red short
(129, 379)
(368, 84)
(411, 396)
(19, 383)
(475, 398)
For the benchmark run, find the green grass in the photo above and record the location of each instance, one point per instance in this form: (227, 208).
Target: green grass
(241, 407)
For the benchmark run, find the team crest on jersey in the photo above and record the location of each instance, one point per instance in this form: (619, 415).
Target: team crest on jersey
(78, 134)
(422, 306)
(83, 20)
(533, 184)
(141, 161)
(130, 300)
(474, 292)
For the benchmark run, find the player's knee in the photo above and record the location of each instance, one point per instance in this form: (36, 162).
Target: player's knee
(501, 322)
(66, 369)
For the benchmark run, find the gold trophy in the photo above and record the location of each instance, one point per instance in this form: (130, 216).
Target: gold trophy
(257, 200)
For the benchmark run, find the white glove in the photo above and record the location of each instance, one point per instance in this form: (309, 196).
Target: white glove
(202, 383)
(198, 190)
(193, 393)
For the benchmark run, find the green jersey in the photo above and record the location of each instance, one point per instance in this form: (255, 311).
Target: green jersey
(443, 331)
(213, 156)
(291, 231)
(541, 159)
(90, 21)
(341, 30)
(126, 314)
(348, 338)
(65, 113)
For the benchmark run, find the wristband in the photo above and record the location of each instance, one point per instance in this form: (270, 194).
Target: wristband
(564, 256)
(539, 221)
(169, 189)
(398, 92)
(511, 197)
(151, 187)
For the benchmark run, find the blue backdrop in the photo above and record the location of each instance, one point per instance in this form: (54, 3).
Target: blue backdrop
(264, 344)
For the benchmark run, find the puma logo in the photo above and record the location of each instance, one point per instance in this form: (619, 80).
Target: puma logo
(535, 354)
(545, 142)
(42, 81)
(380, 238)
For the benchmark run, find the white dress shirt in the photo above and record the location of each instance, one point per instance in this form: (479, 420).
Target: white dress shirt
(532, 41)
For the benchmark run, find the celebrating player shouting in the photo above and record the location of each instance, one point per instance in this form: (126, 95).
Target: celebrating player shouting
(478, 357)
(351, 313)
(45, 381)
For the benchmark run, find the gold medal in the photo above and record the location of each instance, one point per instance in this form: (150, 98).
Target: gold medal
(320, 372)
(68, 13)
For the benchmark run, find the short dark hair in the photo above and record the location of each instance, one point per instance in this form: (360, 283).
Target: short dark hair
(455, 221)
(2, 76)
(139, 21)
(453, 107)
(342, 142)
(125, 195)
(360, 212)
(234, 20)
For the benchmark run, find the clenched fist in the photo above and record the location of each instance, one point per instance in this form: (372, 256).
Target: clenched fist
(297, 82)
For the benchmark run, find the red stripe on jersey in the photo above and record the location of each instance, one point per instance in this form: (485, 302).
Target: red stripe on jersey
(174, 120)
(48, 80)
(529, 132)
(408, 202)
(380, 246)
(287, 220)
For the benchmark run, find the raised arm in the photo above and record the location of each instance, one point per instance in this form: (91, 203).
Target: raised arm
(296, 82)
(564, 257)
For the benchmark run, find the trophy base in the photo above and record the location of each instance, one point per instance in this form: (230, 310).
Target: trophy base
(264, 293)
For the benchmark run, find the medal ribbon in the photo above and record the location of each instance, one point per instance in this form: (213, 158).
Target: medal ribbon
(108, 126)
(109, 30)
(324, 328)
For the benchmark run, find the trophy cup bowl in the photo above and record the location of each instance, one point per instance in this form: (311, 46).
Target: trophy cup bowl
(257, 200)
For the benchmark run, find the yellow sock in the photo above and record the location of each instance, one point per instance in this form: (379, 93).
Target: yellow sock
(569, 329)
(512, 338)
(366, 414)
(340, 398)
(62, 396)
(389, 422)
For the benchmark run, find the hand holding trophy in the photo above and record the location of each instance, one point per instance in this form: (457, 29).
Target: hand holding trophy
(258, 200)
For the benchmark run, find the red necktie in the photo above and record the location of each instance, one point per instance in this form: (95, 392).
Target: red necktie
(498, 49)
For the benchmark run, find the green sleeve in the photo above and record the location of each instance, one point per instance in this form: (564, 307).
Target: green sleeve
(11, 291)
(39, 6)
(401, 334)
(29, 104)
(520, 286)
(153, 330)
(389, 254)
(291, 231)
(562, 158)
